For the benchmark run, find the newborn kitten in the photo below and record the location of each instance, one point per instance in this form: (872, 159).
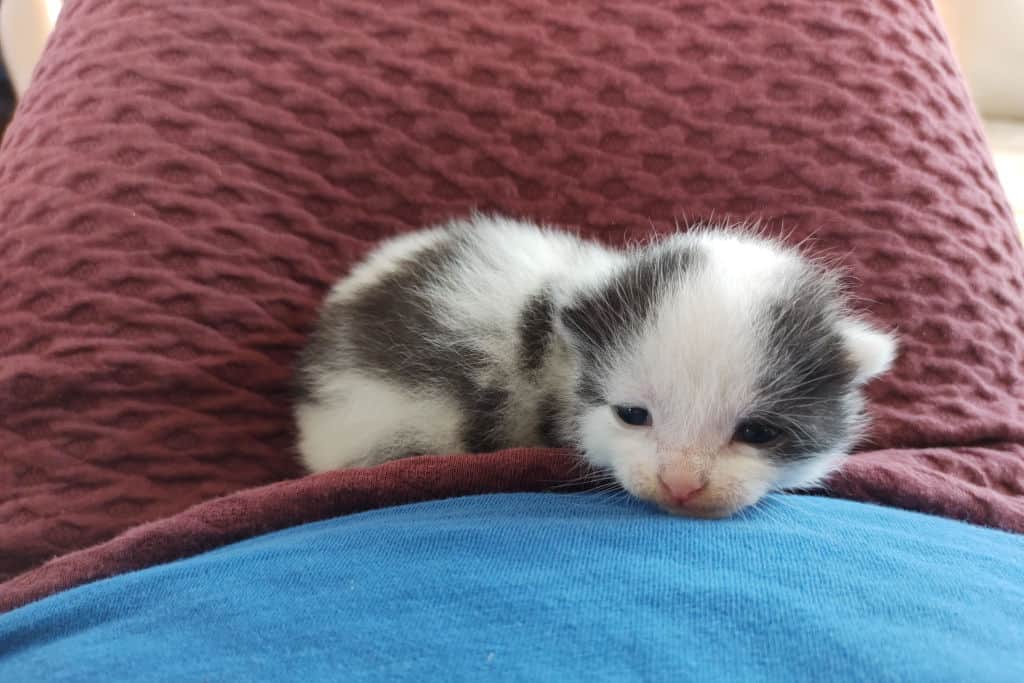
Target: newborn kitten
(701, 371)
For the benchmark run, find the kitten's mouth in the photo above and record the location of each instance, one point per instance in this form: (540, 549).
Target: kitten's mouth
(699, 502)
(707, 503)
(715, 500)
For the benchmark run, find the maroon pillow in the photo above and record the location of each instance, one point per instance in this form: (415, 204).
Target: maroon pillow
(184, 179)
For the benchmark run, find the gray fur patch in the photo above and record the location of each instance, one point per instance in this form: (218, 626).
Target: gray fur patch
(536, 331)
(605, 321)
(388, 329)
(482, 430)
(806, 384)
(551, 414)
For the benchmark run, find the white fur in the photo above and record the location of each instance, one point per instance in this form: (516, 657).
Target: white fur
(492, 287)
(694, 365)
(811, 473)
(368, 413)
(873, 351)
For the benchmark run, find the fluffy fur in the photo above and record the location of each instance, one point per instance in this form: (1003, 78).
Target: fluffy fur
(490, 333)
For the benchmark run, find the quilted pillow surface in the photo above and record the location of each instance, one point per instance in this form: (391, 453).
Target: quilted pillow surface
(184, 180)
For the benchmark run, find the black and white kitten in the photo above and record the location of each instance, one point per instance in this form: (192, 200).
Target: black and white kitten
(702, 371)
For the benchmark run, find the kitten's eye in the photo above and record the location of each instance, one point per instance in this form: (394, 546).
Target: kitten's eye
(756, 433)
(633, 416)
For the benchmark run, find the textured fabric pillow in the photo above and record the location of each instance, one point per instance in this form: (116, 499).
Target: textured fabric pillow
(183, 180)
(555, 588)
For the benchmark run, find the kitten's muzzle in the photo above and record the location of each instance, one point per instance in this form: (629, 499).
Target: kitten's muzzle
(679, 489)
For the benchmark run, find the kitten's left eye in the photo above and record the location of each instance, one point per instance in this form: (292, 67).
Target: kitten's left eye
(756, 433)
(634, 416)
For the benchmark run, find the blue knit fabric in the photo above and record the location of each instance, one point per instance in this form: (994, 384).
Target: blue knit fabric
(554, 587)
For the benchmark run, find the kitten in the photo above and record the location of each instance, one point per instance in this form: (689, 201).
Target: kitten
(701, 371)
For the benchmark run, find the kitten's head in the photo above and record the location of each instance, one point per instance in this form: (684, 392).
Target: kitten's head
(716, 367)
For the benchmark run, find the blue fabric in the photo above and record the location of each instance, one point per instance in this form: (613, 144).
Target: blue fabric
(554, 587)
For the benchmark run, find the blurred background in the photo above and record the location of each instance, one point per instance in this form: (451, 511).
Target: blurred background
(987, 39)
(986, 36)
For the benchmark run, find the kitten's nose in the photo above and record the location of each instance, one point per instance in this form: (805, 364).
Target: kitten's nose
(680, 487)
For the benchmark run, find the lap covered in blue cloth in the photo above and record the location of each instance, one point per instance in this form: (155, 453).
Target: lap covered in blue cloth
(554, 587)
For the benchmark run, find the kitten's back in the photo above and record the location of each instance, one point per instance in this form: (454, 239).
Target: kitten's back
(437, 327)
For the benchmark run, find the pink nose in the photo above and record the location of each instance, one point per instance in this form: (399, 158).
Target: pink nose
(679, 487)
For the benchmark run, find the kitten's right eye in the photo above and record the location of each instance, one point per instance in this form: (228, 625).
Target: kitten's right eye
(756, 433)
(634, 416)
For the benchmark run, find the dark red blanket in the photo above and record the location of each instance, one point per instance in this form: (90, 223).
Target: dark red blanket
(184, 179)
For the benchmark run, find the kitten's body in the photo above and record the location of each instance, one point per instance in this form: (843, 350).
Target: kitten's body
(453, 323)
(492, 333)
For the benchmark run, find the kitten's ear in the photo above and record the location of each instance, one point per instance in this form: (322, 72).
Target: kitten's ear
(872, 351)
